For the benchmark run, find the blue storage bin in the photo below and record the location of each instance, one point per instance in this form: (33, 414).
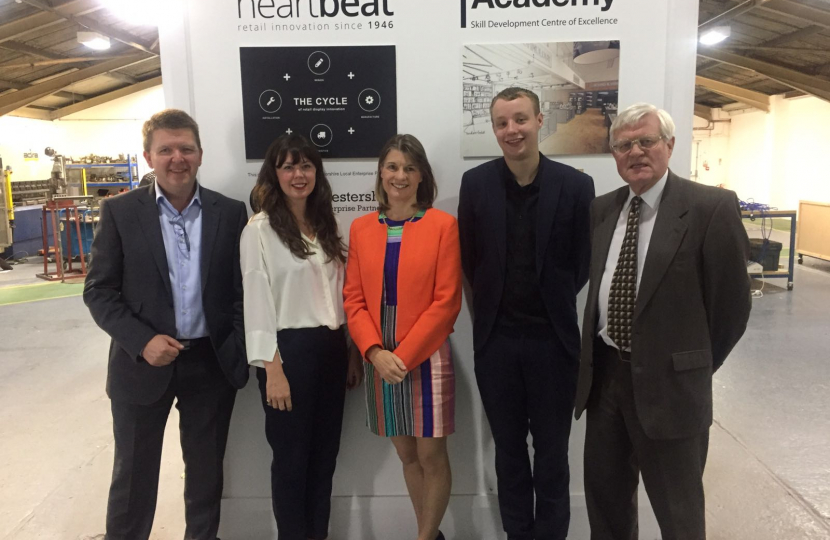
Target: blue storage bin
(86, 235)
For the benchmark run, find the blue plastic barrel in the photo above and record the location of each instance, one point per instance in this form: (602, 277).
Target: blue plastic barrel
(86, 235)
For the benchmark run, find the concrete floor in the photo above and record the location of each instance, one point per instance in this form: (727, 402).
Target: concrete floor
(56, 428)
(768, 475)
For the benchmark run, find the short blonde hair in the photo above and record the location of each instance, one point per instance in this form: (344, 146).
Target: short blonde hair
(169, 119)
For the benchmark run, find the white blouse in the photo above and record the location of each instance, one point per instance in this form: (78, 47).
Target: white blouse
(282, 291)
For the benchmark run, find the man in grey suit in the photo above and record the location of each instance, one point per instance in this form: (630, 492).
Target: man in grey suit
(668, 300)
(165, 284)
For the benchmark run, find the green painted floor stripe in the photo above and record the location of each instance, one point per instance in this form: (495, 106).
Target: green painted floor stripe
(39, 291)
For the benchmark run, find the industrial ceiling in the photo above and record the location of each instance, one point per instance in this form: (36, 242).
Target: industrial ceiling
(775, 47)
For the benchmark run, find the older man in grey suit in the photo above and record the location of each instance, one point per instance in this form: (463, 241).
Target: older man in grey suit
(165, 284)
(668, 300)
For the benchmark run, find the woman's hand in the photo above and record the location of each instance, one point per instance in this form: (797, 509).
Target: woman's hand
(354, 375)
(388, 364)
(277, 389)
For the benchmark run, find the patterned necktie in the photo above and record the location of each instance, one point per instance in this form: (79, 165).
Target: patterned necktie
(624, 283)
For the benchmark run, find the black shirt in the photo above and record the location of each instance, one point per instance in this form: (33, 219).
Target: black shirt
(521, 302)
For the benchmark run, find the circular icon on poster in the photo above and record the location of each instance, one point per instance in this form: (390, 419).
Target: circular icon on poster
(319, 62)
(321, 135)
(270, 101)
(369, 100)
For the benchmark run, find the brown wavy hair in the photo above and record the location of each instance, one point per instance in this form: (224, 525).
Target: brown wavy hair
(414, 151)
(269, 197)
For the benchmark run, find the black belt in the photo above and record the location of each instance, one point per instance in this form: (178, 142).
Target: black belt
(188, 344)
(603, 350)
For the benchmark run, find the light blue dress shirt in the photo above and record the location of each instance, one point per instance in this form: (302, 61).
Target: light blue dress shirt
(182, 233)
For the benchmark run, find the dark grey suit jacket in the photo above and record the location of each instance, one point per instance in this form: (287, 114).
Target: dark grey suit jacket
(129, 295)
(692, 305)
(562, 244)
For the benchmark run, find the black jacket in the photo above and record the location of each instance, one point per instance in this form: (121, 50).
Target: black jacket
(128, 292)
(562, 244)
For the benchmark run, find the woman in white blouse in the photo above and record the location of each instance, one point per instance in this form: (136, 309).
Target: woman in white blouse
(292, 264)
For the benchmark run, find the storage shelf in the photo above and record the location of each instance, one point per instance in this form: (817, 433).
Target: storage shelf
(109, 184)
(98, 165)
(129, 180)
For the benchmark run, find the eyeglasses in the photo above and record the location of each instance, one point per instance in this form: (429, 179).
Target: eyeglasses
(181, 235)
(623, 147)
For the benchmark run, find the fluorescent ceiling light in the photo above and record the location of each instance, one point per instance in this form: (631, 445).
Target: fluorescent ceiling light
(94, 40)
(715, 35)
(138, 12)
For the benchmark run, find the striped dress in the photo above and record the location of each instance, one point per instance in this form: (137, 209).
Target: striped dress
(423, 404)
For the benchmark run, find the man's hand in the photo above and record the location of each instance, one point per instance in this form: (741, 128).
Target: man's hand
(388, 364)
(354, 375)
(161, 350)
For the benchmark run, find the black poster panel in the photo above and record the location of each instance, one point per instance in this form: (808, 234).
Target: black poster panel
(342, 98)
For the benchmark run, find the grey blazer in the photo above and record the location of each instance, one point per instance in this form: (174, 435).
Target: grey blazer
(128, 292)
(692, 306)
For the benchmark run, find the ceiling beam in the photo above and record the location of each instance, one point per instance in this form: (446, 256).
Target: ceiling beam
(36, 114)
(53, 76)
(48, 55)
(104, 98)
(31, 51)
(823, 69)
(737, 106)
(704, 112)
(789, 77)
(706, 66)
(74, 96)
(799, 34)
(768, 49)
(22, 98)
(76, 60)
(12, 84)
(129, 79)
(118, 35)
(730, 14)
(756, 99)
(21, 86)
(800, 11)
(36, 21)
(775, 42)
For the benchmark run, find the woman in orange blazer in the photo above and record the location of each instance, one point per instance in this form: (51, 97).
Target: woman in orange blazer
(401, 297)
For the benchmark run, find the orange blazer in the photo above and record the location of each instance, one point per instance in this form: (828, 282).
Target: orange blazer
(429, 284)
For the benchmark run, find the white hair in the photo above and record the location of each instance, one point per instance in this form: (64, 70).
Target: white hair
(634, 113)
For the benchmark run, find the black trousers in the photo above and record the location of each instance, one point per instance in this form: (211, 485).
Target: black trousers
(528, 383)
(205, 401)
(617, 450)
(306, 440)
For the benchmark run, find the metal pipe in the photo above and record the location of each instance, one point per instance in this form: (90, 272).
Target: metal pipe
(730, 14)
(711, 125)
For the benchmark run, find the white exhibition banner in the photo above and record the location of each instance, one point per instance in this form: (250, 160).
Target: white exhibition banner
(449, 57)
